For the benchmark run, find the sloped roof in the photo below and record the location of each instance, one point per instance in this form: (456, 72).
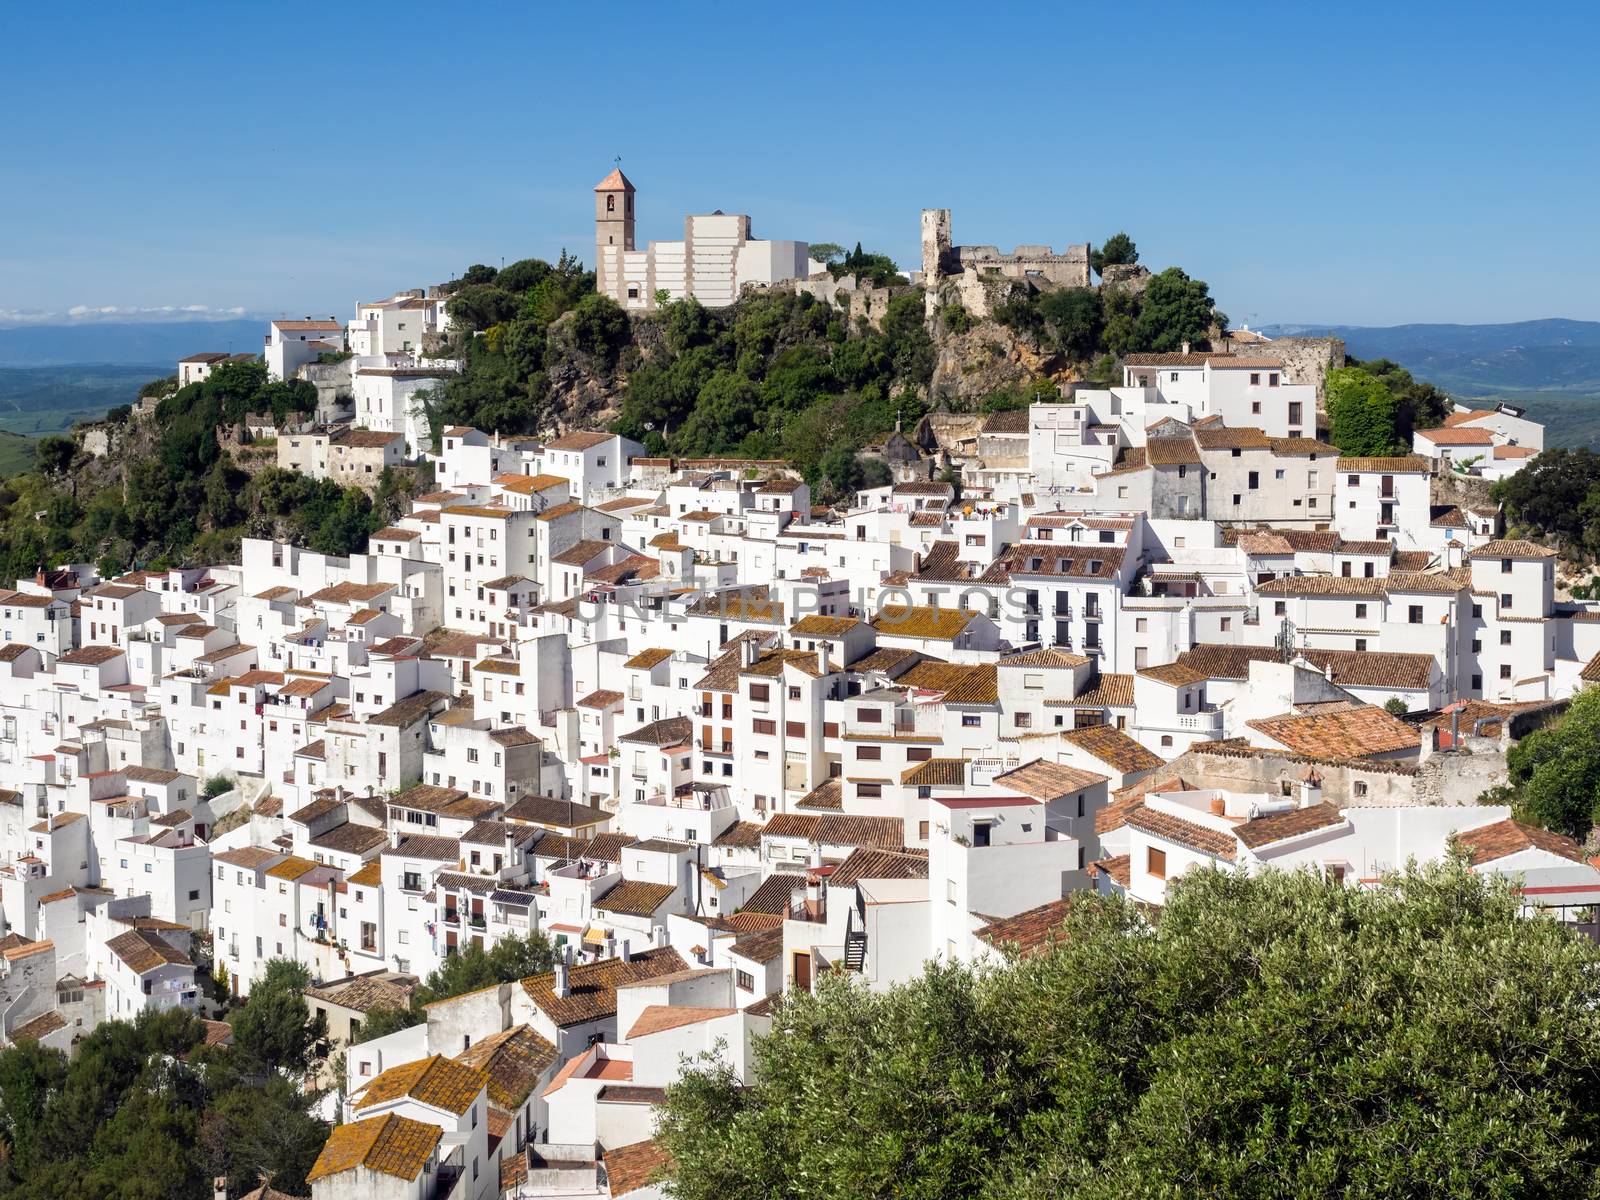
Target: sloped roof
(1504, 838)
(436, 1081)
(391, 1144)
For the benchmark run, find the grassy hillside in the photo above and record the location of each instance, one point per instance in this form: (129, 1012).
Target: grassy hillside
(40, 400)
(16, 454)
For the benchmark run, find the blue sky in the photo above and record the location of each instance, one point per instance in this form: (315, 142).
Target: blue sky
(1355, 163)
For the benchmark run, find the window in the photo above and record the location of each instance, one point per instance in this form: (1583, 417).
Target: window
(1022, 720)
(970, 720)
(1166, 740)
(1360, 787)
(869, 753)
(1280, 608)
(1361, 644)
(1414, 614)
(1505, 671)
(1505, 566)
(922, 830)
(745, 980)
(763, 726)
(869, 791)
(1156, 862)
(1255, 378)
(1505, 637)
(1361, 612)
(1477, 683)
(760, 692)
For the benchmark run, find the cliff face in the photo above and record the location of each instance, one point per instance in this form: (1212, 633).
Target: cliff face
(988, 357)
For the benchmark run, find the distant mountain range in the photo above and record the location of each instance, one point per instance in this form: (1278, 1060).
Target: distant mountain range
(126, 342)
(1480, 360)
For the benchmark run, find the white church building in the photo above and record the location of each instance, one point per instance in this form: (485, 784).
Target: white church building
(716, 257)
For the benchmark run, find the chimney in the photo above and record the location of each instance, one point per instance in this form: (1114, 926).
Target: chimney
(822, 658)
(1186, 347)
(219, 1187)
(627, 950)
(1310, 788)
(1219, 806)
(747, 651)
(563, 988)
(658, 935)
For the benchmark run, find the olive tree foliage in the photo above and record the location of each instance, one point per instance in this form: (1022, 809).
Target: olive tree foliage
(1268, 1037)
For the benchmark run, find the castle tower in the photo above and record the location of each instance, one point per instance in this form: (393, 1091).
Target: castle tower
(936, 253)
(613, 231)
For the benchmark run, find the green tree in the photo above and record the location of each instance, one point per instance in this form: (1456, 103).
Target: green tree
(1271, 1035)
(511, 958)
(599, 327)
(1555, 770)
(275, 1031)
(1118, 250)
(826, 253)
(1361, 413)
(1173, 310)
(1556, 495)
(1074, 321)
(54, 453)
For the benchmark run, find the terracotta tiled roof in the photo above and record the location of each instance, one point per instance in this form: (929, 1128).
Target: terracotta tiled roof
(936, 772)
(1403, 464)
(817, 625)
(741, 835)
(629, 1168)
(1113, 747)
(1118, 869)
(1029, 932)
(1171, 452)
(436, 1081)
(866, 863)
(1185, 833)
(827, 796)
(1275, 827)
(1106, 691)
(513, 1060)
(1457, 436)
(646, 659)
(635, 898)
(668, 731)
(940, 624)
(961, 683)
(1174, 674)
(1323, 585)
(392, 1144)
(1503, 838)
(658, 1018)
(1350, 668)
(1047, 780)
(144, 951)
(593, 986)
(1507, 548)
(1048, 658)
(1353, 733)
(580, 439)
(41, 1026)
(603, 698)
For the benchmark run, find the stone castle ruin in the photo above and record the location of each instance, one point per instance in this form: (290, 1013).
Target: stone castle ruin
(976, 275)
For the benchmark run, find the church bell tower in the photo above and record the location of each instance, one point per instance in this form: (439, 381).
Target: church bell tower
(613, 231)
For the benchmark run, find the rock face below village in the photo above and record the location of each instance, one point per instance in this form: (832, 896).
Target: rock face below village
(989, 358)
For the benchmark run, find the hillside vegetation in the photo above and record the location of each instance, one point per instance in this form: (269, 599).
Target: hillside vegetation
(779, 375)
(170, 495)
